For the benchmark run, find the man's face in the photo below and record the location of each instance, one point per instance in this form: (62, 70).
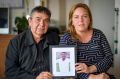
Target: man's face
(39, 23)
(63, 55)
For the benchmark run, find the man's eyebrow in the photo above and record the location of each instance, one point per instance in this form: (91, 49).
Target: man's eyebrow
(38, 17)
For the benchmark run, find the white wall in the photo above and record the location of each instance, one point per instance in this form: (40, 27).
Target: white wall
(117, 56)
(117, 5)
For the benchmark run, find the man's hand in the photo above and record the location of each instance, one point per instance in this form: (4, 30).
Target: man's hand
(44, 75)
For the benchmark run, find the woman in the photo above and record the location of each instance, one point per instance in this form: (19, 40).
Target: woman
(94, 55)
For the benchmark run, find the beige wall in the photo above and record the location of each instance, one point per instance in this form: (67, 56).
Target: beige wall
(59, 10)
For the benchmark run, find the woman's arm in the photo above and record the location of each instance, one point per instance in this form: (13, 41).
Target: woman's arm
(104, 64)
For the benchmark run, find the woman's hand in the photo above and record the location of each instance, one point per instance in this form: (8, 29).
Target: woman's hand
(44, 75)
(81, 68)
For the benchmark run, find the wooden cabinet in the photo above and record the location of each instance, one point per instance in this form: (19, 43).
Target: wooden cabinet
(4, 40)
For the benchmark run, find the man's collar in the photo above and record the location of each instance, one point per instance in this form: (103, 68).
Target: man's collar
(30, 39)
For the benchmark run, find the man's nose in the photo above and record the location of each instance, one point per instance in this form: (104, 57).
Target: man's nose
(42, 22)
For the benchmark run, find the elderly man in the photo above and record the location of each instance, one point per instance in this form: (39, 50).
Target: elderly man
(27, 55)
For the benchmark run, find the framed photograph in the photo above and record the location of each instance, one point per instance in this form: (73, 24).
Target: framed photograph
(62, 60)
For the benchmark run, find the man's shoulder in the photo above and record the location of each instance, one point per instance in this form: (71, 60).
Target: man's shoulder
(22, 37)
(53, 37)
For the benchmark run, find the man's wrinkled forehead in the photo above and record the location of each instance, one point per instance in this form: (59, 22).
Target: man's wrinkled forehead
(42, 13)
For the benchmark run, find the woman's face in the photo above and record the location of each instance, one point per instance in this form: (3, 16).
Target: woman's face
(80, 20)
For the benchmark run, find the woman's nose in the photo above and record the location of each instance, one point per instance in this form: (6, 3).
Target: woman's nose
(81, 19)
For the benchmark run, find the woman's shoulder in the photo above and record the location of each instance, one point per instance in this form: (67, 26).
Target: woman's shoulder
(67, 39)
(97, 31)
(98, 34)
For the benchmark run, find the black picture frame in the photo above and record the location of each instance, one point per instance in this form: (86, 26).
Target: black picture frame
(62, 66)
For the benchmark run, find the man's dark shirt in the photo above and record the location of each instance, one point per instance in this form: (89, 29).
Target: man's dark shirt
(41, 63)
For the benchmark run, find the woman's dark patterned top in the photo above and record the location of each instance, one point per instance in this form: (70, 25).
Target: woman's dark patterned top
(96, 52)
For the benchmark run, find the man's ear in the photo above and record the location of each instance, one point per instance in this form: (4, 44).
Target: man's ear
(30, 21)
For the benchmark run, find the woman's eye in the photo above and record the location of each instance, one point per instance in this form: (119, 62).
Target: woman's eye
(85, 16)
(76, 17)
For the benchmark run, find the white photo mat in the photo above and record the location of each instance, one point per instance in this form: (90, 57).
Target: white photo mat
(63, 66)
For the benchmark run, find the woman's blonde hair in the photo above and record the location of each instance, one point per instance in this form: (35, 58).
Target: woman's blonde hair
(70, 27)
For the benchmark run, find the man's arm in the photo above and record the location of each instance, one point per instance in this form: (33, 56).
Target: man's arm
(12, 66)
